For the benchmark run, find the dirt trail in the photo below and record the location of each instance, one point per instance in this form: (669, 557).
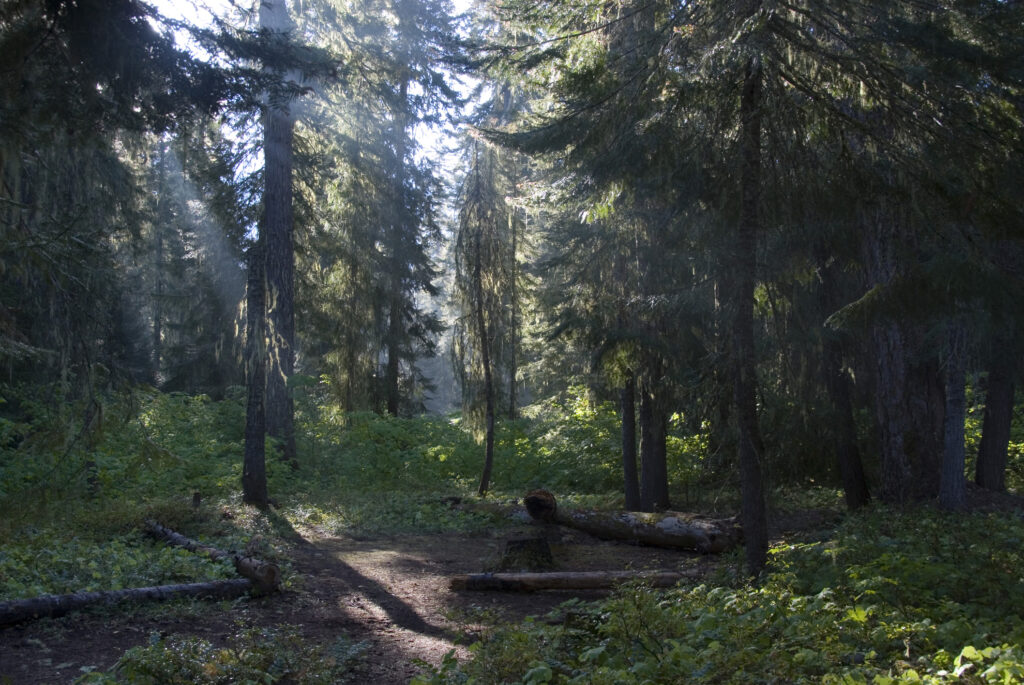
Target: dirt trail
(391, 594)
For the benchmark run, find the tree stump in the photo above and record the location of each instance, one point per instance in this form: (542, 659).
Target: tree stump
(526, 554)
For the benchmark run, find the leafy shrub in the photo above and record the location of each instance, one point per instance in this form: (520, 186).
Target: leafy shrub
(915, 597)
(44, 562)
(254, 655)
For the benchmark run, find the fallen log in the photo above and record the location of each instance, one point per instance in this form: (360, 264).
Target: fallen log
(52, 606)
(265, 576)
(665, 529)
(562, 580)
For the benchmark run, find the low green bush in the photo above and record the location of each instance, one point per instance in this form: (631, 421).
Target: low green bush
(894, 598)
(253, 655)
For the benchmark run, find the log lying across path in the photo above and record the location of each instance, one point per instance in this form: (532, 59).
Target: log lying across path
(265, 576)
(665, 529)
(578, 580)
(52, 606)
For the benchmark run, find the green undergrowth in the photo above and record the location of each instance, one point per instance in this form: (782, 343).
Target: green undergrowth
(910, 597)
(78, 479)
(251, 655)
(890, 598)
(44, 563)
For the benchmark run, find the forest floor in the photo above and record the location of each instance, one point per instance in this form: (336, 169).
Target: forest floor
(389, 594)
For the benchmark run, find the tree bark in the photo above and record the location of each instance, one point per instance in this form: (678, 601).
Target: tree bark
(627, 401)
(278, 132)
(158, 269)
(254, 470)
(513, 371)
(953, 484)
(744, 370)
(653, 466)
(890, 364)
(485, 355)
(52, 606)
(394, 339)
(990, 471)
(837, 384)
(265, 576)
(667, 529)
(566, 580)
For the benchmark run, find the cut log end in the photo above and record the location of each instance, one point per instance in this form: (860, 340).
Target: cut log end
(540, 505)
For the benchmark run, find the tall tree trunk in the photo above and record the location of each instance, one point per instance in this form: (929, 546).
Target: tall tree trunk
(926, 399)
(395, 330)
(627, 402)
(645, 417)
(953, 485)
(890, 362)
(653, 466)
(485, 356)
(158, 298)
(514, 328)
(254, 473)
(394, 341)
(851, 468)
(350, 372)
(990, 471)
(280, 256)
(658, 479)
(755, 526)
(837, 384)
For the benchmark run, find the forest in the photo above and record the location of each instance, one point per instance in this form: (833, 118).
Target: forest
(321, 293)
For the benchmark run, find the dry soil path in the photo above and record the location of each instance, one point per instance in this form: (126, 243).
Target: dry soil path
(390, 594)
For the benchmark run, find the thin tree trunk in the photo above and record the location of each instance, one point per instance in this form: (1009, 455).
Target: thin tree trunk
(744, 371)
(280, 255)
(990, 471)
(254, 472)
(627, 401)
(514, 332)
(485, 355)
(953, 484)
(158, 259)
(645, 416)
(394, 342)
(659, 480)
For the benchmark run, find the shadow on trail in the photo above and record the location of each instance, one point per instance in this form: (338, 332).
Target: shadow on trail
(398, 611)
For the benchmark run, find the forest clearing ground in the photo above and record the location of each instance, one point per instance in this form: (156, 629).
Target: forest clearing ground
(390, 594)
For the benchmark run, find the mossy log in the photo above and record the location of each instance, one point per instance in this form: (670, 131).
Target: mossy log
(52, 606)
(664, 529)
(561, 580)
(265, 576)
